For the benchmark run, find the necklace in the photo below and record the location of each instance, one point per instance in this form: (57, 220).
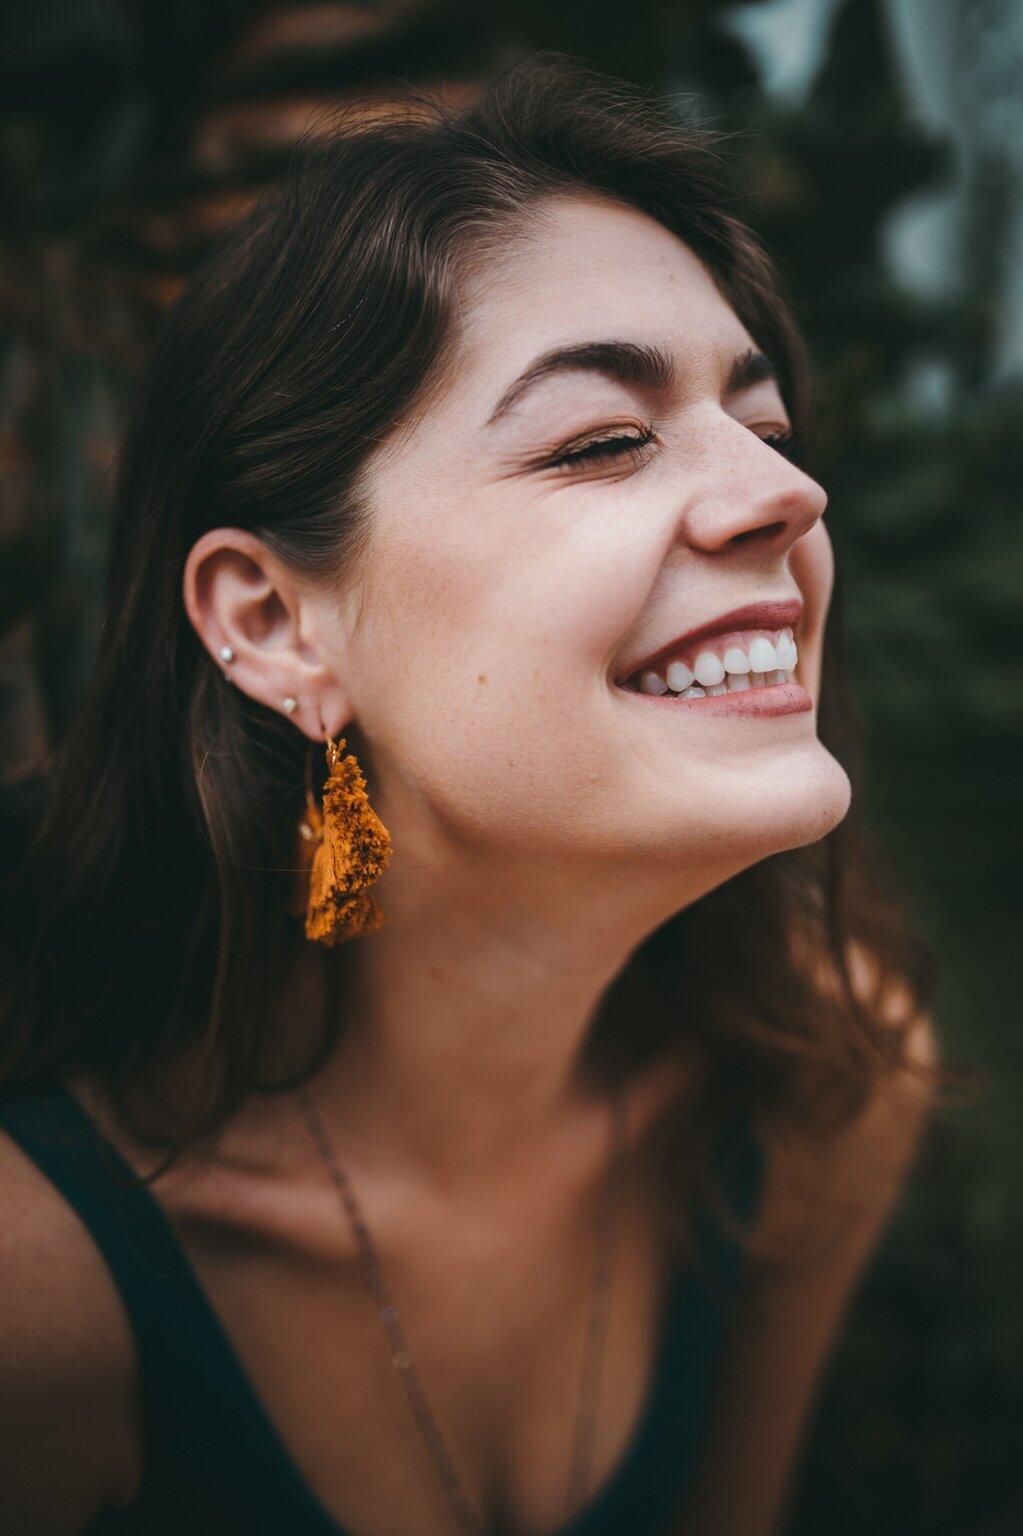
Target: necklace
(401, 1355)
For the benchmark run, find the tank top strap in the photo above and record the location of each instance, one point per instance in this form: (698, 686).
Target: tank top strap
(214, 1464)
(108, 1197)
(147, 1264)
(199, 1428)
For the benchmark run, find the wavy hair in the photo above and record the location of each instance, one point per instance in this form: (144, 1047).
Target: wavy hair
(152, 910)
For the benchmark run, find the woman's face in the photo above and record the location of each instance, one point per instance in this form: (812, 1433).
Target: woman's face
(507, 595)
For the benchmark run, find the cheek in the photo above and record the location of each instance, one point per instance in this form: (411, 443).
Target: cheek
(812, 563)
(525, 601)
(491, 706)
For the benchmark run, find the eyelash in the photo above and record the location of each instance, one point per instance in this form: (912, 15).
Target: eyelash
(785, 443)
(606, 448)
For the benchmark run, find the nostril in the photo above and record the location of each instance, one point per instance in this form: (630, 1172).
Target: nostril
(765, 531)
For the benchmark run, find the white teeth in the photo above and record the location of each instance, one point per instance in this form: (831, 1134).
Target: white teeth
(708, 669)
(764, 665)
(785, 646)
(762, 656)
(653, 682)
(736, 660)
(679, 676)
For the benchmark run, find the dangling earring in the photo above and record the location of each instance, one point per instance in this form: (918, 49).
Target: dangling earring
(350, 849)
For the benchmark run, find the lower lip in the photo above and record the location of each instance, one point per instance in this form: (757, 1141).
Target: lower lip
(774, 699)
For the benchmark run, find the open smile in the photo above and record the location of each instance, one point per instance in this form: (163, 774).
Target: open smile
(748, 672)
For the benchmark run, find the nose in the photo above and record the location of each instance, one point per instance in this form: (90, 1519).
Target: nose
(754, 496)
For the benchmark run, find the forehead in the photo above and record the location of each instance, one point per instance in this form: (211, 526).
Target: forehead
(583, 265)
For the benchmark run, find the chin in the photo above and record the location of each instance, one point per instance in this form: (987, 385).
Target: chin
(749, 815)
(814, 799)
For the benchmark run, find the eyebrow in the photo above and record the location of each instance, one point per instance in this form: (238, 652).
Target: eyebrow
(627, 362)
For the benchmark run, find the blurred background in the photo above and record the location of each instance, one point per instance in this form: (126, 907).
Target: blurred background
(881, 154)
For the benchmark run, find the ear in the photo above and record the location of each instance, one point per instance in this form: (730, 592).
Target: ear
(287, 642)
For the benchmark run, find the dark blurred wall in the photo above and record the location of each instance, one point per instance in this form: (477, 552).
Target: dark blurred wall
(883, 154)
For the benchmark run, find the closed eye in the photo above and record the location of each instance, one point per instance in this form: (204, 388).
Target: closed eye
(606, 448)
(786, 443)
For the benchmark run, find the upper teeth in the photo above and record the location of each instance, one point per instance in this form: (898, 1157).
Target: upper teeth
(750, 661)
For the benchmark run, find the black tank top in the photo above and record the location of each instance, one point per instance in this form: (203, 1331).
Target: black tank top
(213, 1462)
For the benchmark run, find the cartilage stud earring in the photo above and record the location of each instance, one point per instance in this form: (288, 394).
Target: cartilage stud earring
(226, 653)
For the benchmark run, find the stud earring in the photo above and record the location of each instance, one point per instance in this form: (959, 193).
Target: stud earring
(226, 653)
(290, 705)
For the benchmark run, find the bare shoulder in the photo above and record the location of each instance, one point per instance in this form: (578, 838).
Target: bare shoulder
(67, 1379)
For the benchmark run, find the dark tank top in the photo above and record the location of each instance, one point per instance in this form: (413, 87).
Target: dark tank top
(213, 1462)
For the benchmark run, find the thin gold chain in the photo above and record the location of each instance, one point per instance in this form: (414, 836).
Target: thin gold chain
(584, 1431)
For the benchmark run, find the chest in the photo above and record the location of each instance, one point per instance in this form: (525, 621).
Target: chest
(495, 1304)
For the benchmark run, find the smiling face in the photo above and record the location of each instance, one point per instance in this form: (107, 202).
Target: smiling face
(508, 590)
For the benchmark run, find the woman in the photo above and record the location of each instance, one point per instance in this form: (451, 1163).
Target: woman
(476, 467)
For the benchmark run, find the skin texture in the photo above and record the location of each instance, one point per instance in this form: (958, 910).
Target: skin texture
(544, 821)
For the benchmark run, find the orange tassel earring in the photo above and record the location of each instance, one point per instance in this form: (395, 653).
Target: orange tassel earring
(350, 849)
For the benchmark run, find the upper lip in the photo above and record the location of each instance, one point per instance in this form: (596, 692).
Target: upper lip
(774, 614)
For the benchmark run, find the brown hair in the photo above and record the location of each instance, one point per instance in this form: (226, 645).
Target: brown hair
(152, 915)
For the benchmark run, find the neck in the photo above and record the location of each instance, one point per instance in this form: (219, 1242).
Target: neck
(466, 1014)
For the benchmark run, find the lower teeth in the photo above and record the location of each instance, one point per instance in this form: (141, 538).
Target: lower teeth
(737, 683)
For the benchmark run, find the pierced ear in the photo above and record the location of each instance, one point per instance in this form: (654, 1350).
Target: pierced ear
(241, 598)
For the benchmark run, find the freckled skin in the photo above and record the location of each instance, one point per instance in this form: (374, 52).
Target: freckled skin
(549, 578)
(544, 824)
